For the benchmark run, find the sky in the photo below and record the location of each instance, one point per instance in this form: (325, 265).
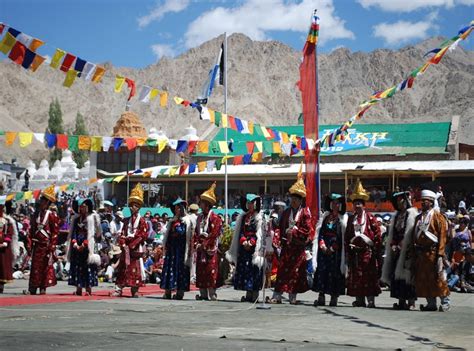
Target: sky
(138, 33)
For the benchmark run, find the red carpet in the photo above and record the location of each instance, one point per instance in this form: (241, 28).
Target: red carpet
(65, 298)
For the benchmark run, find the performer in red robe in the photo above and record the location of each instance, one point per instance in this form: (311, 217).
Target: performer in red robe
(205, 241)
(130, 271)
(363, 242)
(9, 248)
(295, 234)
(41, 244)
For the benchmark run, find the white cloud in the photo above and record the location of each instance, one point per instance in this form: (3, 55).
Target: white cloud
(161, 50)
(256, 18)
(161, 9)
(403, 31)
(411, 5)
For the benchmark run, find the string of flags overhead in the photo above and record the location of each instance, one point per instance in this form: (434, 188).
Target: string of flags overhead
(292, 146)
(35, 194)
(21, 49)
(436, 55)
(247, 127)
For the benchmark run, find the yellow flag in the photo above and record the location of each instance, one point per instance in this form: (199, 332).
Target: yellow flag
(98, 74)
(25, 138)
(250, 124)
(173, 170)
(284, 137)
(212, 116)
(202, 166)
(28, 195)
(7, 43)
(70, 78)
(10, 137)
(84, 142)
(224, 120)
(96, 143)
(10, 196)
(259, 146)
(141, 141)
(223, 147)
(161, 145)
(118, 179)
(56, 60)
(203, 147)
(257, 157)
(119, 81)
(178, 100)
(276, 147)
(225, 158)
(163, 99)
(154, 93)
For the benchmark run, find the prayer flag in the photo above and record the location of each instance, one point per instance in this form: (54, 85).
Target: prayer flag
(70, 78)
(163, 99)
(55, 60)
(84, 142)
(7, 43)
(18, 52)
(72, 142)
(119, 82)
(216, 73)
(98, 74)
(25, 139)
(203, 147)
(62, 141)
(10, 138)
(67, 62)
(96, 143)
(37, 61)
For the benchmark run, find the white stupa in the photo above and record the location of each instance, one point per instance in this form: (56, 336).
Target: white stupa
(56, 172)
(158, 135)
(68, 166)
(191, 134)
(43, 171)
(30, 166)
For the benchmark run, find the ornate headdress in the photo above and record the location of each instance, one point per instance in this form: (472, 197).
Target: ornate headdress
(49, 193)
(299, 188)
(359, 192)
(136, 195)
(209, 194)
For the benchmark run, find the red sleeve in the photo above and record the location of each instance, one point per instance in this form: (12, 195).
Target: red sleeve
(214, 232)
(303, 227)
(53, 223)
(140, 236)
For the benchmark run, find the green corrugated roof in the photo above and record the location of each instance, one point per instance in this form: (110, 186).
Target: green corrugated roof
(400, 139)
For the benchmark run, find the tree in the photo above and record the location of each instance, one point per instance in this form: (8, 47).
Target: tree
(80, 156)
(55, 126)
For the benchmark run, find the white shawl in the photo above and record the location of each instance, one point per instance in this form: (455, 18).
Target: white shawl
(402, 269)
(14, 243)
(343, 220)
(233, 253)
(189, 234)
(91, 226)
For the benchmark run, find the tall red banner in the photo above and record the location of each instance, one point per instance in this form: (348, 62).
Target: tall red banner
(309, 92)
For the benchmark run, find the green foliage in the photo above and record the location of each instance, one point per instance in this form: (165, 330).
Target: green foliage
(55, 126)
(80, 156)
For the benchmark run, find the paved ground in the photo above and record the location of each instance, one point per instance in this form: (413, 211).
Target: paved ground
(152, 323)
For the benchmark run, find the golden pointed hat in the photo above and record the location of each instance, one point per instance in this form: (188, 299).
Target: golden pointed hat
(49, 193)
(299, 188)
(359, 192)
(209, 194)
(136, 195)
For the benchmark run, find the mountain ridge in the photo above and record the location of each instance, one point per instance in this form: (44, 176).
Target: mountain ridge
(262, 78)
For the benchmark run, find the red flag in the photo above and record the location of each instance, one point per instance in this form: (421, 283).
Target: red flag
(191, 146)
(62, 141)
(67, 62)
(308, 86)
(132, 87)
(17, 54)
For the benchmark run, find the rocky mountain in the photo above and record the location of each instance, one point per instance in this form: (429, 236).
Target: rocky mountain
(261, 88)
